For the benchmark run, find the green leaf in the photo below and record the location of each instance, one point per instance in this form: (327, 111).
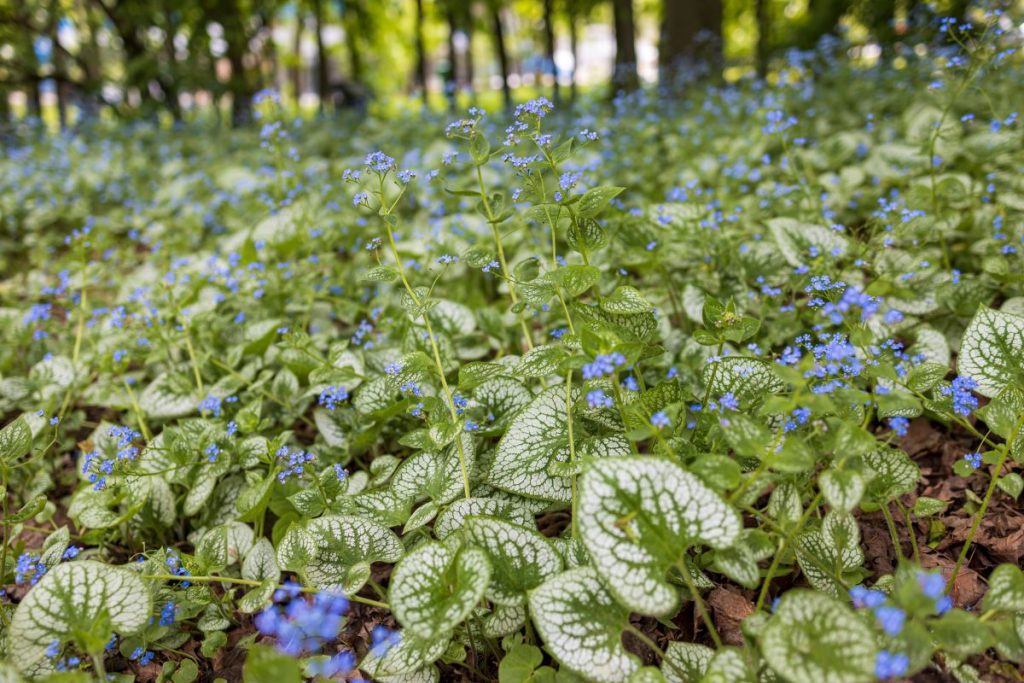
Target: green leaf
(15, 440)
(686, 662)
(926, 376)
(69, 602)
(594, 201)
(536, 437)
(1005, 589)
(479, 148)
(926, 507)
(625, 300)
(637, 517)
(960, 633)
(409, 656)
(992, 351)
(335, 551)
(164, 399)
(454, 516)
(380, 274)
(435, 587)
(794, 239)
(828, 555)
(264, 664)
(581, 626)
(519, 663)
(261, 562)
(813, 638)
(1012, 484)
(894, 474)
(575, 279)
(541, 361)
(521, 557)
(748, 378)
(842, 489)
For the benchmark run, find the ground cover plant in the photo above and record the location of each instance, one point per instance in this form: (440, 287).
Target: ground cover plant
(725, 388)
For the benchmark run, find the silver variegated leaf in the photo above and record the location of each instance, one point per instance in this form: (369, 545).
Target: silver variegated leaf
(71, 597)
(581, 625)
(435, 587)
(335, 551)
(637, 517)
(813, 638)
(992, 350)
(521, 558)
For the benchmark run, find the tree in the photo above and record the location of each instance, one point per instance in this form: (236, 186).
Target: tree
(421, 55)
(624, 74)
(549, 46)
(691, 34)
(323, 70)
(500, 50)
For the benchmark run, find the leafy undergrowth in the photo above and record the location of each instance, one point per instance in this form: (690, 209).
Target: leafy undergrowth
(726, 388)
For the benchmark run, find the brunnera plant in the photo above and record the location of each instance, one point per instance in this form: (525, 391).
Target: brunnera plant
(520, 404)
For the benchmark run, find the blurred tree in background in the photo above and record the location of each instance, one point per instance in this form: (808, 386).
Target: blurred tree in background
(72, 60)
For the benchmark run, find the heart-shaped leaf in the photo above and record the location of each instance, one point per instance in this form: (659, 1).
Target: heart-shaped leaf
(813, 638)
(68, 601)
(992, 350)
(637, 517)
(336, 551)
(581, 625)
(1005, 589)
(521, 557)
(436, 586)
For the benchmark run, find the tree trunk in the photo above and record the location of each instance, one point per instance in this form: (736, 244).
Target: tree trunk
(295, 72)
(502, 54)
(764, 24)
(470, 71)
(549, 46)
(59, 71)
(421, 56)
(624, 76)
(574, 40)
(451, 80)
(322, 65)
(691, 35)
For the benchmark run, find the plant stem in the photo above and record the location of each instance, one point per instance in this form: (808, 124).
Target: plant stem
(572, 449)
(889, 522)
(782, 550)
(684, 569)
(433, 345)
(910, 530)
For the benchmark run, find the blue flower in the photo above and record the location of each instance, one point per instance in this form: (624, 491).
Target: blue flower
(660, 420)
(899, 425)
(331, 397)
(890, 665)
(167, 614)
(891, 619)
(596, 398)
(865, 597)
(299, 626)
(973, 459)
(210, 404)
(603, 365)
(383, 639)
(963, 400)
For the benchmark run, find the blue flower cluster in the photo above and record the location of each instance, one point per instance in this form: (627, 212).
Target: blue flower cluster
(28, 569)
(603, 365)
(332, 397)
(300, 626)
(293, 462)
(963, 400)
(596, 398)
